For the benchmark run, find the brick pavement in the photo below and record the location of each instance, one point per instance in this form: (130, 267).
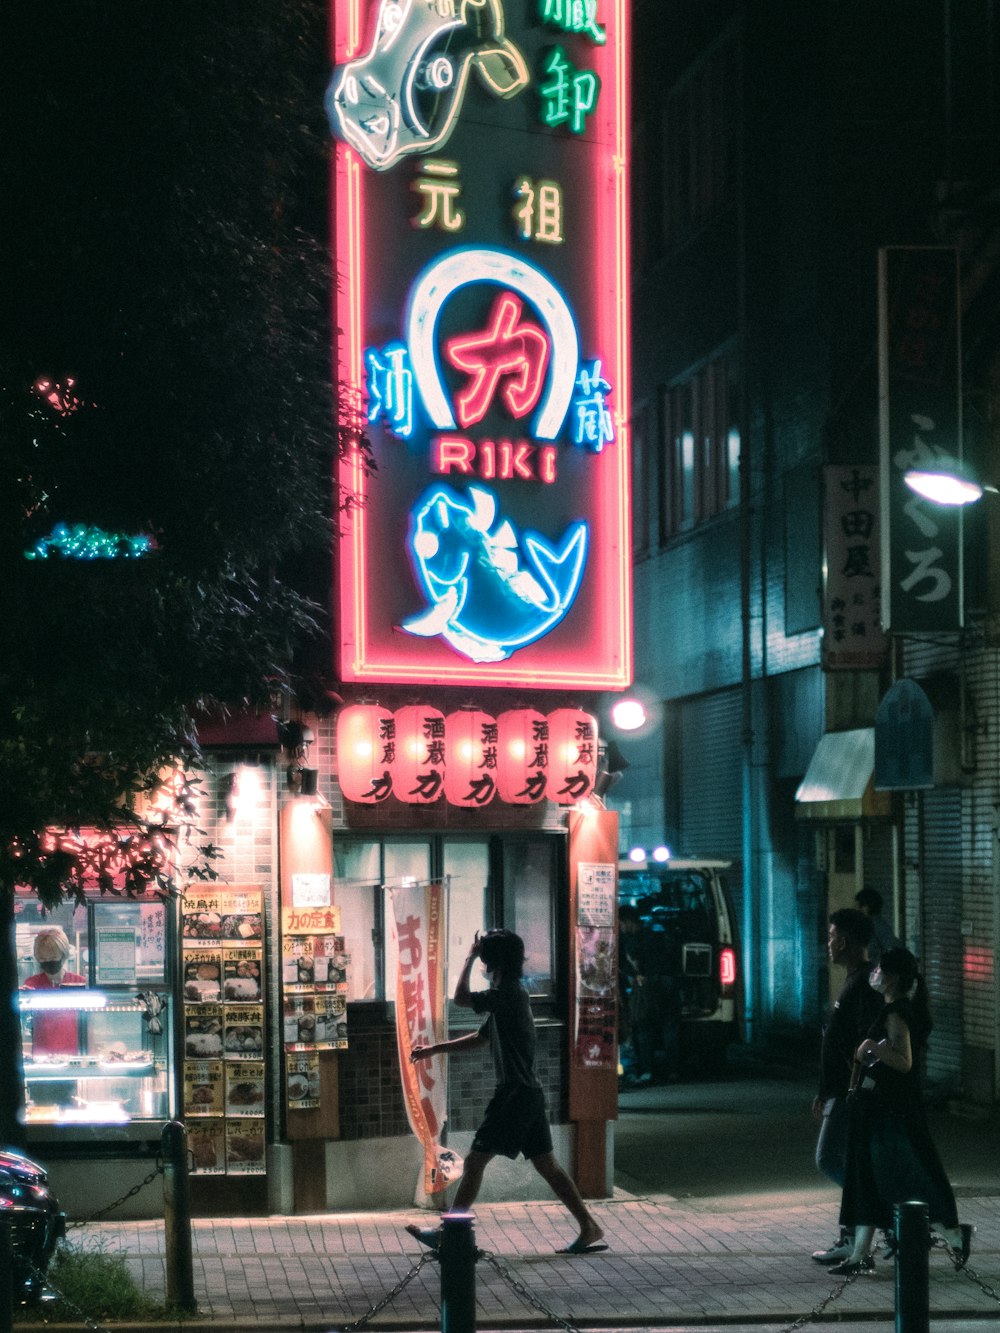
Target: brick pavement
(671, 1263)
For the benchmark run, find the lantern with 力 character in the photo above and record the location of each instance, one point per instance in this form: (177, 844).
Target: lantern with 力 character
(470, 775)
(418, 769)
(522, 755)
(366, 746)
(572, 755)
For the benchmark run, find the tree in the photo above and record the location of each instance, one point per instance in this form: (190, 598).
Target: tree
(165, 373)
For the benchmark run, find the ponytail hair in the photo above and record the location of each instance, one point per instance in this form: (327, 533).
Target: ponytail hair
(902, 965)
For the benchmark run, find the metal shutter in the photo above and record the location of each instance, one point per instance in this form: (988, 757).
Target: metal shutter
(941, 837)
(711, 802)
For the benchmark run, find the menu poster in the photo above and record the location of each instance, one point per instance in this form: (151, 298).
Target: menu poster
(222, 914)
(207, 1142)
(299, 1023)
(202, 975)
(245, 1088)
(203, 1086)
(596, 889)
(203, 1031)
(115, 956)
(314, 962)
(331, 1022)
(241, 974)
(302, 1081)
(244, 1031)
(245, 1147)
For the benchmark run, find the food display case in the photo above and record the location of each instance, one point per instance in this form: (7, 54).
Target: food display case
(96, 1024)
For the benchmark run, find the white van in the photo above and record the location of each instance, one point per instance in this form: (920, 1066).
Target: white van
(689, 902)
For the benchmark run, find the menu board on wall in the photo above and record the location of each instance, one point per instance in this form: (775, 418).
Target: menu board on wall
(224, 1026)
(314, 966)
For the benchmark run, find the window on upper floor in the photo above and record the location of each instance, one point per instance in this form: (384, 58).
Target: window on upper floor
(699, 448)
(699, 134)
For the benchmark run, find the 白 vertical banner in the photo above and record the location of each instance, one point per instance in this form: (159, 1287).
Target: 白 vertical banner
(418, 920)
(920, 423)
(852, 621)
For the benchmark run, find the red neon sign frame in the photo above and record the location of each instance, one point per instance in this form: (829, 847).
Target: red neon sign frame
(592, 649)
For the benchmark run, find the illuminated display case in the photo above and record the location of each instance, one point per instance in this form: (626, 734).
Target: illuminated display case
(96, 1035)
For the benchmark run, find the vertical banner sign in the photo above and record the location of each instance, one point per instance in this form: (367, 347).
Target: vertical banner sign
(852, 618)
(920, 421)
(481, 237)
(418, 919)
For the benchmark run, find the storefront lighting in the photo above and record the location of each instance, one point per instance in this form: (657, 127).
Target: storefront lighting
(628, 714)
(61, 997)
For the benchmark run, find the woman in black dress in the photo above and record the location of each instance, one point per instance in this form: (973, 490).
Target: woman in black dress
(890, 1154)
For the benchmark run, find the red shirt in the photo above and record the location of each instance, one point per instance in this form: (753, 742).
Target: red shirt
(58, 1032)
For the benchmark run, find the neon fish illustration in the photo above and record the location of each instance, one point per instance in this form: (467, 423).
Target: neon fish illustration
(405, 94)
(490, 592)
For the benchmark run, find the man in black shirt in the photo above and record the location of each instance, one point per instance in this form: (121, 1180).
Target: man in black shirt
(853, 1013)
(516, 1120)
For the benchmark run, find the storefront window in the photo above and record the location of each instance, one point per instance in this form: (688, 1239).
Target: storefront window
(492, 882)
(528, 882)
(468, 865)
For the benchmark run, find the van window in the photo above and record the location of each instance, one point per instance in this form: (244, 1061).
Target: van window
(680, 914)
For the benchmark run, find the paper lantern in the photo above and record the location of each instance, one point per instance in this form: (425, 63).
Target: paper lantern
(522, 756)
(572, 755)
(470, 774)
(366, 744)
(418, 768)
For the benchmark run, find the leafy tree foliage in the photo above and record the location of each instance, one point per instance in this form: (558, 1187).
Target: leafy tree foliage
(164, 370)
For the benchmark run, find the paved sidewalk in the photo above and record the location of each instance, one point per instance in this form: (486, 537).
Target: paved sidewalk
(671, 1263)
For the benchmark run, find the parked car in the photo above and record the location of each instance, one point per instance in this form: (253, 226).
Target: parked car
(35, 1220)
(687, 903)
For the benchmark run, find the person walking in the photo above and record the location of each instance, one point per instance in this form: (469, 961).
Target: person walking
(891, 1156)
(652, 959)
(853, 1012)
(869, 901)
(516, 1121)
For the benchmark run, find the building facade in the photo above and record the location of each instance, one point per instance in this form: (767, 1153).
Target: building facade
(778, 149)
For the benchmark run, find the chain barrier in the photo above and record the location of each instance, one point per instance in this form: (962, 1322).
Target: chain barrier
(389, 1296)
(109, 1208)
(85, 1319)
(964, 1268)
(833, 1295)
(516, 1285)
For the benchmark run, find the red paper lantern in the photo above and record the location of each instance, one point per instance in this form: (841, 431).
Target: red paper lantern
(522, 755)
(572, 755)
(418, 769)
(366, 745)
(470, 775)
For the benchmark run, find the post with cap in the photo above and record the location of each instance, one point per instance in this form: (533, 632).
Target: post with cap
(458, 1273)
(912, 1268)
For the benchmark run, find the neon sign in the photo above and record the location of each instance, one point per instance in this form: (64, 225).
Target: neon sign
(405, 94)
(490, 591)
(482, 309)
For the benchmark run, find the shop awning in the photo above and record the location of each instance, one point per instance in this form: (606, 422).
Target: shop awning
(839, 782)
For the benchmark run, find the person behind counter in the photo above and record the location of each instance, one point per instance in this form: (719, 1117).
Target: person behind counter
(55, 1033)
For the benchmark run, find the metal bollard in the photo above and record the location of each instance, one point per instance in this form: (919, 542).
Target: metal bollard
(458, 1273)
(177, 1217)
(912, 1268)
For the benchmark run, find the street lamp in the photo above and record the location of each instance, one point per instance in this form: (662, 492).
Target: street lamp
(952, 485)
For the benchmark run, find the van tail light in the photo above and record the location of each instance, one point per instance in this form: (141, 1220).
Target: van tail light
(727, 967)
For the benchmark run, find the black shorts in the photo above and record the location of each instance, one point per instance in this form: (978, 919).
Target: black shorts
(515, 1122)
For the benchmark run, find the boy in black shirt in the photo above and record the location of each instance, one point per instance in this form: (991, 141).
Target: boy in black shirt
(516, 1120)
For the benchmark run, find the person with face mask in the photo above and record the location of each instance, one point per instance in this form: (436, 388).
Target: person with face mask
(57, 1032)
(890, 1154)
